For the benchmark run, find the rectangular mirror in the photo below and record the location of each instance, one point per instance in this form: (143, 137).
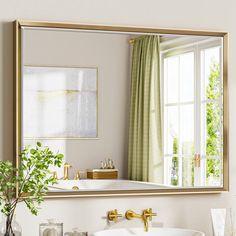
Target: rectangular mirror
(135, 111)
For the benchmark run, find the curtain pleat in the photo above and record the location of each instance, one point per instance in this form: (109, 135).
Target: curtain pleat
(145, 133)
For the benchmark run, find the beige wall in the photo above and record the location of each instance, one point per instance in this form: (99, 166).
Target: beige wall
(109, 53)
(178, 211)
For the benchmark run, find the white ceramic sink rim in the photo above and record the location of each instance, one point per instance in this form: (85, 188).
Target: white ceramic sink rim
(153, 231)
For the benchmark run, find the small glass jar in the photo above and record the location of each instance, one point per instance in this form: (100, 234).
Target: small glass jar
(75, 232)
(51, 228)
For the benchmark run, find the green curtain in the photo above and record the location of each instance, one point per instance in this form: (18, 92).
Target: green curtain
(145, 133)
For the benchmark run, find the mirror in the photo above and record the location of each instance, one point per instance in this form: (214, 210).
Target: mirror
(133, 110)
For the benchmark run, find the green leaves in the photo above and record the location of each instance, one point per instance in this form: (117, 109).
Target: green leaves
(39, 144)
(7, 185)
(33, 178)
(213, 114)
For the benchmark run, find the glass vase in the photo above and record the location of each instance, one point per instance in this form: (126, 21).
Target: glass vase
(9, 226)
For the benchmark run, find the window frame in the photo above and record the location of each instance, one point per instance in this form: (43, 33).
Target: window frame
(177, 50)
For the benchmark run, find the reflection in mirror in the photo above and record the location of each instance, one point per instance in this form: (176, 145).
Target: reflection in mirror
(176, 126)
(129, 111)
(59, 102)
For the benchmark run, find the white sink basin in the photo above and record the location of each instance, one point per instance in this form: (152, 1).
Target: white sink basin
(151, 232)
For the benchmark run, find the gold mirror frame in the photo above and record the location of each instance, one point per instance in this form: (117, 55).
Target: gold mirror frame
(19, 24)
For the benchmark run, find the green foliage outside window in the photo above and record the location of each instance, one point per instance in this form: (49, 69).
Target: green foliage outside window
(213, 121)
(175, 163)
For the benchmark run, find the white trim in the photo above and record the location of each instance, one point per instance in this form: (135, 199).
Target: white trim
(219, 101)
(191, 156)
(178, 104)
(210, 42)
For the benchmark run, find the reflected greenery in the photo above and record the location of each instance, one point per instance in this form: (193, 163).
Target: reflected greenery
(213, 114)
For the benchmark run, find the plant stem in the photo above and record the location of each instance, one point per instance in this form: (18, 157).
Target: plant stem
(9, 230)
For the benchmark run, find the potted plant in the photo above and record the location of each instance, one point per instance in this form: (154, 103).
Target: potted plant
(28, 183)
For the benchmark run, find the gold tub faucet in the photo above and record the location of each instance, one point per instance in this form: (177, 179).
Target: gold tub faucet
(66, 171)
(145, 216)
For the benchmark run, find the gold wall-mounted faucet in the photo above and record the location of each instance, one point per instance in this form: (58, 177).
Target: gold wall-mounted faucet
(113, 215)
(145, 216)
(66, 171)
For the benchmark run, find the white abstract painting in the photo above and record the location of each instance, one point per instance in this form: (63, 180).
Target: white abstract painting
(59, 102)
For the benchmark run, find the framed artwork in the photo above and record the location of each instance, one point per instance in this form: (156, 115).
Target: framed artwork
(60, 102)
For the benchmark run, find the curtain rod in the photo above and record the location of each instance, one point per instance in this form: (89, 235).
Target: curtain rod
(131, 41)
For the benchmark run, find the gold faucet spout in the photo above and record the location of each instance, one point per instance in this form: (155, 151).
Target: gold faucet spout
(145, 225)
(66, 171)
(129, 215)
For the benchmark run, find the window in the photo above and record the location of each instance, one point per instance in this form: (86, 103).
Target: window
(192, 110)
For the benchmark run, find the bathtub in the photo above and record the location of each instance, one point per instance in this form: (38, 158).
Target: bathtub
(103, 184)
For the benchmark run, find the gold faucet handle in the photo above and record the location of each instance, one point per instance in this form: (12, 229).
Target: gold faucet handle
(77, 175)
(54, 174)
(67, 165)
(113, 215)
(148, 214)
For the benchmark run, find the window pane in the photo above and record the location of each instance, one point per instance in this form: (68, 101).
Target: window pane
(212, 114)
(214, 172)
(172, 129)
(212, 129)
(174, 163)
(172, 79)
(165, 80)
(187, 77)
(187, 128)
(188, 172)
(211, 74)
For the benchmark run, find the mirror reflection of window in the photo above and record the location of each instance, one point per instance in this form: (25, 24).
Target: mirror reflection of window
(192, 114)
(212, 115)
(179, 117)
